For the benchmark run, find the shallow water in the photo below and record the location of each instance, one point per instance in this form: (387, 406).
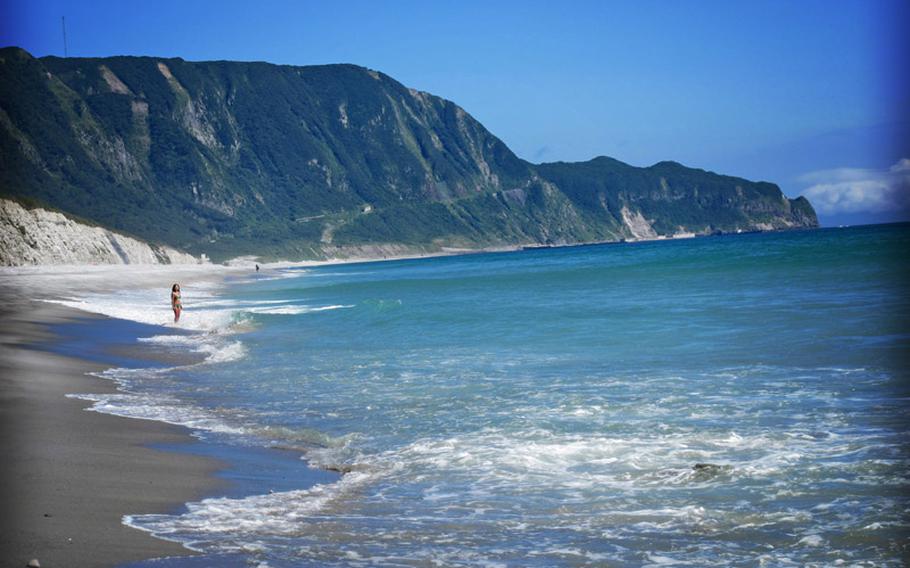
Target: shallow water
(549, 407)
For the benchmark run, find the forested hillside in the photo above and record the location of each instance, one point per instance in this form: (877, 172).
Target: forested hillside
(229, 158)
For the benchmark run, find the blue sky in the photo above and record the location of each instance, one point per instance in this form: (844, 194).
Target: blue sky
(810, 95)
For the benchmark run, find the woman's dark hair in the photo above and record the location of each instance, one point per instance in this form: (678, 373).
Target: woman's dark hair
(174, 287)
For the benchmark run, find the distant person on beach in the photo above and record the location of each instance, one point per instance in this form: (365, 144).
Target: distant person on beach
(175, 301)
(257, 268)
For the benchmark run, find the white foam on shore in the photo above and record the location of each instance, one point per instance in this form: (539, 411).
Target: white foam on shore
(211, 328)
(502, 471)
(209, 323)
(131, 402)
(203, 310)
(230, 520)
(209, 317)
(160, 408)
(216, 348)
(499, 463)
(152, 306)
(223, 352)
(499, 470)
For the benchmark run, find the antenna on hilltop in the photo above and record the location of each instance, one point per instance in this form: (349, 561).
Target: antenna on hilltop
(65, 50)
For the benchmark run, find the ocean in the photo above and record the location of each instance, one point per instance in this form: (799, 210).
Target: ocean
(733, 400)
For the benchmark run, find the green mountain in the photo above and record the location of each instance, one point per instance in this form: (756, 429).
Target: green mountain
(230, 158)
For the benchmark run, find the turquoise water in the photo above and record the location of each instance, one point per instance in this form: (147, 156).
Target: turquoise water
(549, 407)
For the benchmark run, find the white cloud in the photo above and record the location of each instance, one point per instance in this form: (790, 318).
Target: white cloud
(859, 190)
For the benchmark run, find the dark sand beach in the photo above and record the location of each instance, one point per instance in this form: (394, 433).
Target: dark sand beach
(70, 475)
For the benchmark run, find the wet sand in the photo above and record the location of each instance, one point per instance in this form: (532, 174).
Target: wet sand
(68, 475)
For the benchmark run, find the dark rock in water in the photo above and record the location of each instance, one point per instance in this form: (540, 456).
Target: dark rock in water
(33, 563)
(708, 470)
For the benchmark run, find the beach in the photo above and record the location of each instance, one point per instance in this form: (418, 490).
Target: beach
(70, 475)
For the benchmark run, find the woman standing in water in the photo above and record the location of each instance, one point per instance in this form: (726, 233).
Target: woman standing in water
(175, 301)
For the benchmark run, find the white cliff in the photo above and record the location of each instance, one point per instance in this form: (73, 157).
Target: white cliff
(41, 237)
(636, 223)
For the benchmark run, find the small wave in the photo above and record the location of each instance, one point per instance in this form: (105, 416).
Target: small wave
(246, 430)
(812, 540)
(280, 513)
(271, 275)
(175, 339)
(160, 408)
(217, 349)
(303, 439)
(295, 309)
(383, 305)
(280, 275)
(334, 307)
(224, 353)
(545, 462)
(230, 303)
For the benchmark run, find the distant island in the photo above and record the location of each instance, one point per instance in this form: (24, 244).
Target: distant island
(230, 158)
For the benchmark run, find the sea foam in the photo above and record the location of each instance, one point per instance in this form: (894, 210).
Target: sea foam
(272, 514)
(209, 326)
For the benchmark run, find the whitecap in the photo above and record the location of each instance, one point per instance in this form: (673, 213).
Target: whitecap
(216, 348)
(812, 540)
(296, 309)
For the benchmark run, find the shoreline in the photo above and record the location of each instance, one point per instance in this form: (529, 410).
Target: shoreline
(247, 262)
(220, 271)
(76, 475)
(71, 475)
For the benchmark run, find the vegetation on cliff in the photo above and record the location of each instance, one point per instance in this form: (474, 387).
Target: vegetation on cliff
(231, 158)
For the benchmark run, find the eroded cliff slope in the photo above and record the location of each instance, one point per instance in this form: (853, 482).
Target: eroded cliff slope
(40, 237)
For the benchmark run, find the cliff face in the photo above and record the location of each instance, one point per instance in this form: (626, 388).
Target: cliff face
(43, 237)
(237, 158)
(669, 199)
